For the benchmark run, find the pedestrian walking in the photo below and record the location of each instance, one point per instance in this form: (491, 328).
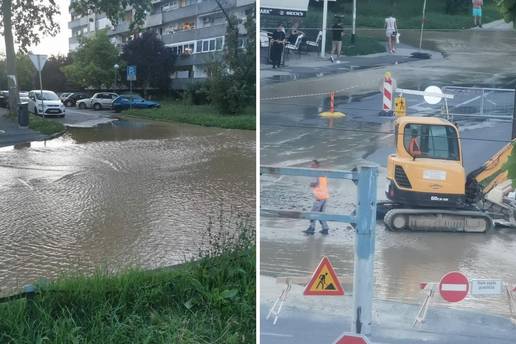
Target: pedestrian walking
(277, 44)
(337, 36)
(477, 12)
(391, 32)
(321, 195)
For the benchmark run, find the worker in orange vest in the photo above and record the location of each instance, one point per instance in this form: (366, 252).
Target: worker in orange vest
(413, 147)
(321, 194)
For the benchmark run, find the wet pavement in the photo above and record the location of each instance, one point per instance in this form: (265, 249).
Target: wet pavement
(131, 193)
(292, 134)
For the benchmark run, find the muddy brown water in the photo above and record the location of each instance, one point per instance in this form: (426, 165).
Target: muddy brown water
(135, 194)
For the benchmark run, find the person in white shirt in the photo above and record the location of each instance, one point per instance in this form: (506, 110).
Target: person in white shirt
(391, 30)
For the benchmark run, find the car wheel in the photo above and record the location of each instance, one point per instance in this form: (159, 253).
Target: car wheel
(69, 104)
(97, 106)
(82, 106)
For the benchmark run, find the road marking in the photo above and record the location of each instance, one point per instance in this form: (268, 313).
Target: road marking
(25, 183)
(454, 287)
(277, 334)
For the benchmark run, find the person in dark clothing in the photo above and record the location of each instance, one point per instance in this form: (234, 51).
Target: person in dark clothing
(337, 35)
(277, 44)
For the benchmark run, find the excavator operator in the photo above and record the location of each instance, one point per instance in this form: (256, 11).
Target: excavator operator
(413, 147)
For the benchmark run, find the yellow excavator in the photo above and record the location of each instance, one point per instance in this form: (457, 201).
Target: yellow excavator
(428, 187)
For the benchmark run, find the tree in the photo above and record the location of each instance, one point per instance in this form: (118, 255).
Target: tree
(26, 73)
(53, 75)
(29, 19)
(154, 61)
(93, 62)
(508, 10)
(232, 82)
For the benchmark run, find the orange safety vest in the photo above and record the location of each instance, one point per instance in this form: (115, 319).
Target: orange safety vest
(414, 148)
(321, 190)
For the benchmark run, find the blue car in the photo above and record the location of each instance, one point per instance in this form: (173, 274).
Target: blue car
(124, 102)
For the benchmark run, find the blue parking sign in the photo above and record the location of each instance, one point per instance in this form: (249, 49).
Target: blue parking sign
(131, 73)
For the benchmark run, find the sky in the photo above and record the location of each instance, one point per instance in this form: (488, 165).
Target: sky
(53, 45)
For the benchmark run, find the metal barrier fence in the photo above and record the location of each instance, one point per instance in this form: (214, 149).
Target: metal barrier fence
(363, 220)
(481, 102)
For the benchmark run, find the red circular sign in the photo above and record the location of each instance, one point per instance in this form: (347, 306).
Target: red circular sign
(352, 339)
(454, 287)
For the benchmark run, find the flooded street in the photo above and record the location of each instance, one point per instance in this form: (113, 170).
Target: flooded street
(135, 194)
(293, 134)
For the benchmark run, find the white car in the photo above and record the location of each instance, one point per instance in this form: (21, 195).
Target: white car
(99, 101)
(45, 103)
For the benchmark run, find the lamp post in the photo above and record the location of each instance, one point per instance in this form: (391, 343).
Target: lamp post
(116, 66)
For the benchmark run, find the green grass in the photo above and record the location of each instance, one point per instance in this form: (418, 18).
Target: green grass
(211, 300)
(372, 14)
(44, 125)
(363, 46)
(205, 115)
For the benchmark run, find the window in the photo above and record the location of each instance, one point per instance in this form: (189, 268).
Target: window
(435, 141)
(205, 45)
(199, 47)
(218, 43)
(212, 44)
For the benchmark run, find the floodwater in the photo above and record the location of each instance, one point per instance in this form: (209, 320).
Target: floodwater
(134, 194)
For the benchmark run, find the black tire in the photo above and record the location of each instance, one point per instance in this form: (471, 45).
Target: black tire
(82, 106)
(97, 106)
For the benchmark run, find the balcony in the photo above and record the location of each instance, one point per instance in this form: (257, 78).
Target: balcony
(196, 34)
(78, 22)
(197, 59)
(206, 6)
(153, 20)
(121, 27)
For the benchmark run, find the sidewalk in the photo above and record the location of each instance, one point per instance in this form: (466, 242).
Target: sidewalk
(312, 65)
(322, 319)
(11, 133)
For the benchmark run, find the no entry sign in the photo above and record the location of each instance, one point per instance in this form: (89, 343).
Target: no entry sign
(348, 338)
(454, 287)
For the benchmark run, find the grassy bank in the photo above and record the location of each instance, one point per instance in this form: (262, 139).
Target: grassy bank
(205, 115)
(208, 301)
(44, 125)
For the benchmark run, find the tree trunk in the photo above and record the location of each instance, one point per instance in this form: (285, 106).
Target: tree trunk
(10, 55)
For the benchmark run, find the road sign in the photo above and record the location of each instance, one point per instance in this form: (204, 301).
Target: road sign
(348, 338)
(454, 286)
(435, 95)
(38, 61)
(486, 287)
(324, 281)
(131, 73)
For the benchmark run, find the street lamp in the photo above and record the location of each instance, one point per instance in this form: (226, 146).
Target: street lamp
(116, 66)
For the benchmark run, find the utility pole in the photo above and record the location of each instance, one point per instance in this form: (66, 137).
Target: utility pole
(422, 26)
(325, 15)
(354, 21)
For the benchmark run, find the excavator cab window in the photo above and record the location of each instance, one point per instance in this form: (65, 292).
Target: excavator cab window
(433, 141)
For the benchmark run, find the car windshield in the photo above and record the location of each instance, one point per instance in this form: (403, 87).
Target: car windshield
(47, 95)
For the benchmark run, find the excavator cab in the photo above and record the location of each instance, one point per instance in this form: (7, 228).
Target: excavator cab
(427, 168)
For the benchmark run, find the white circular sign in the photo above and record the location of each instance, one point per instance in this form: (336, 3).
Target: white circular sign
(434, 98)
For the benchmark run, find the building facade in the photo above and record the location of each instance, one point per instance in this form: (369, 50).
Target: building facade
(194, 29)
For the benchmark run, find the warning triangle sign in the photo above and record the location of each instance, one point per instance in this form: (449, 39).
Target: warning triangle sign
(324, 281)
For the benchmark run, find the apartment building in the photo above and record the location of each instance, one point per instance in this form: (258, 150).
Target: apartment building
(194, 29)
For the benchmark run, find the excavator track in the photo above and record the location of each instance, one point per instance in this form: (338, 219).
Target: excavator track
(438, 220)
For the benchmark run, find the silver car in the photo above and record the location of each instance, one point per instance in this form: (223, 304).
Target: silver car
(101, 100)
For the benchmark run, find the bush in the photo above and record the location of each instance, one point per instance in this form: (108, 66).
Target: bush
(456, 6)
(196, 94)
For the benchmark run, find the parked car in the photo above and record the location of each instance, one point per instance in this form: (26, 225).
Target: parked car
(63, 96)
(45, 103)
(99, 101)
(24, 97)
(4, 98)
(72, 98)
(125, 102)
